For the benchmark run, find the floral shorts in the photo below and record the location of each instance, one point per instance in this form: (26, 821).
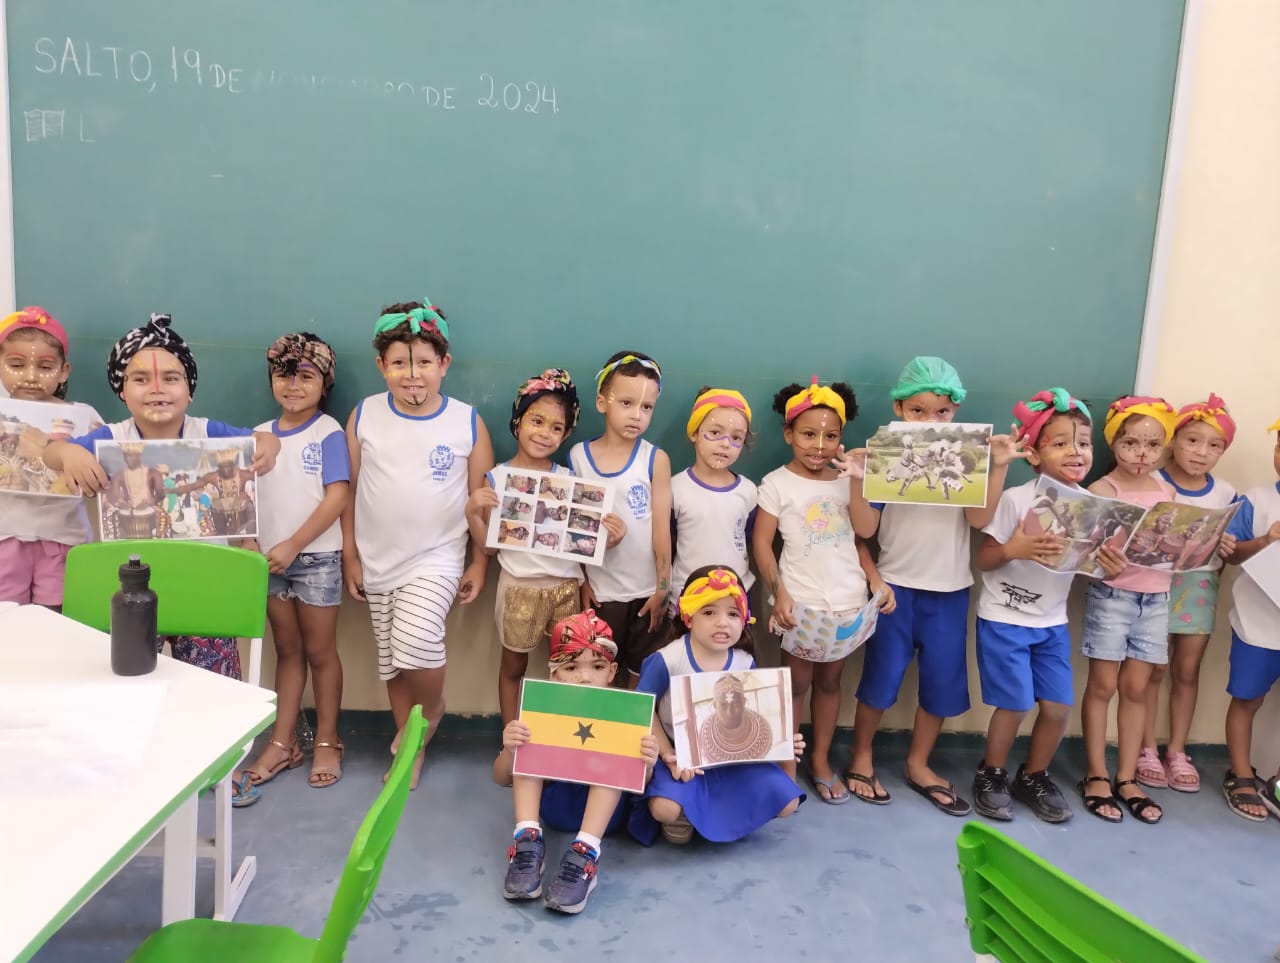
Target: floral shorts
(215, 654)
(1193, 599)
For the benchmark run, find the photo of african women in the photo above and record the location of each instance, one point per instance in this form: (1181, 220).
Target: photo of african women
(197, 488)
(919, 463)
(720, 718)
(823, 636)
(1178, 538)
(549, 513)
(26, 427)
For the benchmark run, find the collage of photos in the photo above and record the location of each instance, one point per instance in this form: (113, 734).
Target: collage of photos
(26, 427)
(186, 489)
(830, 636)
(718, 718)
(549, 514)
(928, 463)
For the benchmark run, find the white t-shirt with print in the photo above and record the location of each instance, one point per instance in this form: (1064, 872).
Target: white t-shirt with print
(312, 456)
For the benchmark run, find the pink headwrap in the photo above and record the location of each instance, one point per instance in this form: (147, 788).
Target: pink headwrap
(1213, 413)
(1034, 414)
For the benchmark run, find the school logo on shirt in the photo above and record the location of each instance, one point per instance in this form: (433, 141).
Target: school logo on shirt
(441, 460)
(311, 458)
(638, 500)
(740, 534)
(824, 522)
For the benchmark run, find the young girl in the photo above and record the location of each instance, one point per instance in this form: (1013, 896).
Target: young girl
(1202, 432)
(534, 591)
(712, 506)
(728, 802)
(822, 565)
(299, 507)
(1126, 619)
(37, 532)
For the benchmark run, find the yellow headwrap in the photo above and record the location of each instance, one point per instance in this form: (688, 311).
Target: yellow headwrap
(709, 401)
(814, 396)
(1120, 411)
(1274, 426)
(717, 584)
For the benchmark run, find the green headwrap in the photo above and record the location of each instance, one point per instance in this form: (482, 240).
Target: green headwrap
(928, 374)
(425, 318)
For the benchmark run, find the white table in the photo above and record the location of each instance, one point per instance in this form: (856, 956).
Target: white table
(62, 840)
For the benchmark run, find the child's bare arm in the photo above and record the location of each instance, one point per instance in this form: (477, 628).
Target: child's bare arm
(479, 463)
(1004, 449)
(1245, 550)
(766, 527)
(863, 516)
(875, 583)
(330, 509)
(352, 570)
(656, 607)
(81, 468)
(514, 735)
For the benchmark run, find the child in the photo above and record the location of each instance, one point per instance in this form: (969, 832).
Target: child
(1126, 618)
(36, 532)
(1202, 432)
(728, 802)
(1255, 648)
(1024, 647)
(712, 506)
(534, 591)
(582, 653)
(924, 555)
(416, 456)
(299, 509)
(630, 589)
(822, 568)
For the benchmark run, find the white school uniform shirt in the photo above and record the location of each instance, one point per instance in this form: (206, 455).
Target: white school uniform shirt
(710, 525)
(1215, 493)
(51, 518)
(1254, 617)
(531, 564)
(924, 547)
(411, 491)
(312, 456)
(1020, 592)
(819, 564)
(628, 571)
(676, 658)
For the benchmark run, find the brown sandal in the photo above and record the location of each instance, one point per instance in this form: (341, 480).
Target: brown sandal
(333, 774)
(293, 758)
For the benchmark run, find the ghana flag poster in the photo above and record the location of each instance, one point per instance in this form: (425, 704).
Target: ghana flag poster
(584, 733)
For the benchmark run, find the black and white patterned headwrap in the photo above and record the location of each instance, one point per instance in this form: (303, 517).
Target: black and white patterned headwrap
(156, 333)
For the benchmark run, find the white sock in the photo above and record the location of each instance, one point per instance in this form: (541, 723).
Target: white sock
(527, 824)
(592, 841)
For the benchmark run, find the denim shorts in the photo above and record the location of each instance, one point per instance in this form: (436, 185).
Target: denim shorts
(1120, 624)
(314, 578)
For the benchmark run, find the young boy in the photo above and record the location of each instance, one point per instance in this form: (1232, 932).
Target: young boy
(1024, 647)
(630, 589)
(924, 556)
(582, 653)
(416, 455)
(1255, 648)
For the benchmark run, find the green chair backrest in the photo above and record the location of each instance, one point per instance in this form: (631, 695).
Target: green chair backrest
(372, 842)
(1022, 909)
(201, 588)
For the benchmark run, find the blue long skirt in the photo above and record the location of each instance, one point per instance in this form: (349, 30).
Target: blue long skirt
(728, 802)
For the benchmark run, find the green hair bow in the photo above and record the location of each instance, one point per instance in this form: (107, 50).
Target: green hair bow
(419, 319)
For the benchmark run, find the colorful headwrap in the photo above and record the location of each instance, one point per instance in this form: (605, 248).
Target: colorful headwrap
(1274, 426)
(1034, 414)
(814, 396)
(1213, 413)
(930, 374)
(427, 318)
(613, 366)
(584, 631)
(719, 583)
(292, 350)
(1125, 408)
(156, 333)
(709, 401)
(550, 382)
(38, 318)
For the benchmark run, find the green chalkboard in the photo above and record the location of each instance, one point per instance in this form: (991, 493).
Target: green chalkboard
(752, 192)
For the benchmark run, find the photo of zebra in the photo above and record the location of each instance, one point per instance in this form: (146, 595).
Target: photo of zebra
(929, 463)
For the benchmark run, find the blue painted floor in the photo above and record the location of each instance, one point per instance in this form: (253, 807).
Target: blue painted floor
(854, 882)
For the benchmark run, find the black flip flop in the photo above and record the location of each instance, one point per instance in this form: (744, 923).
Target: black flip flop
(957, 806)
(879, 797)
(1137, 805)
(1095, 803)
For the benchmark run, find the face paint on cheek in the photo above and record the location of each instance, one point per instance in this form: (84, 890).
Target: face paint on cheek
(416, 396)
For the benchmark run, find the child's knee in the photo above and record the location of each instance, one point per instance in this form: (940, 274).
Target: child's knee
(1158, 672)
(1247, 706)
(1055, 713)
(1185, 673)
(1100, 687)
(789, 808)
(664, 810)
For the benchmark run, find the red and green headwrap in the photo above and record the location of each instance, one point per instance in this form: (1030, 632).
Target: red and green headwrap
(1032, 415)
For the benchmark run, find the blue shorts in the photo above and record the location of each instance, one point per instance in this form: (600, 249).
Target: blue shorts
(1120, 624)
(313, 578)
(1019, 665)
(932, 626)
(1254, 670)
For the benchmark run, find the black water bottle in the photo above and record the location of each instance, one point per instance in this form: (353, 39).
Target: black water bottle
(133, 621)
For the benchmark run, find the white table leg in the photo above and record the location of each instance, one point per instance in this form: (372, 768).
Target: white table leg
(179, 899)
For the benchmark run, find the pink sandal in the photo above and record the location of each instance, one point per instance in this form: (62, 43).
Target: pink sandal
(1183, 776)
(1151, 770)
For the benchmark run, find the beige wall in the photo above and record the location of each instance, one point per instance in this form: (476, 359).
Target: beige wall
(1223, 288)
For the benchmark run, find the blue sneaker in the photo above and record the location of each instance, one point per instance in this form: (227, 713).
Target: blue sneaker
(524, 866)
(574, 880)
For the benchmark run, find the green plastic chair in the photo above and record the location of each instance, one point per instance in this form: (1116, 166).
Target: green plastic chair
(1022, 909)
(212, 941)
(201, 589)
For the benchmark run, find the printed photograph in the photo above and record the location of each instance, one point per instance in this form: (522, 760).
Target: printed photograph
(535, 515)
(524, 484)
(1084, 521)
(197, 488)
(550, 511)
(1179, 538)
(588, 494)
(822, 636)
(26, 427)
(918, 463)
(720, 718)
(513, 534)
(584, 521)
(547, 538)
(584, 545)
(516, 507)
(554, 488)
